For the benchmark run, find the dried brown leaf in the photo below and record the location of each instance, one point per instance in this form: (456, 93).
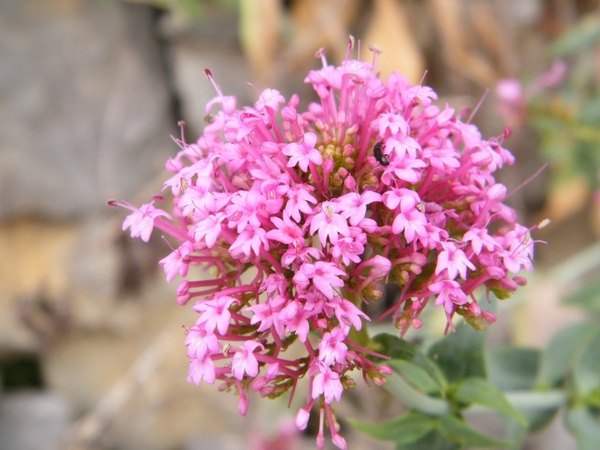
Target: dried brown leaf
(319, 24)
(390, 31)
(260, 35)
(456, 47)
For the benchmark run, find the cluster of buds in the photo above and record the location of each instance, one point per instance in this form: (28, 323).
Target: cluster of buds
(301, 217)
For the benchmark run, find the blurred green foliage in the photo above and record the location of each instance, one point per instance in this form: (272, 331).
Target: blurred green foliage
(568, 118)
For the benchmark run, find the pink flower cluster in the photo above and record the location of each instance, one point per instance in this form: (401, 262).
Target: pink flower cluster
(299, 222)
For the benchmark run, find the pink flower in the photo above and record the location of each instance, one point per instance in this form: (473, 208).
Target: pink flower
(303, 153)
(215, 313)
(267, 315)
(349, 249)
(409, 219)
(202, 369)
(453, 261)
(299, 199)
(208, 230)
(295, 317)
(326, 382)
(329, 223)
(324, 275)
(450, 294)
(141, 221)
(201, 343)
(244, 361)
(250, 241)
(479, 239)
(332, 348)
(354, 206)
(301, 215)
(177, 262)
(287, 232)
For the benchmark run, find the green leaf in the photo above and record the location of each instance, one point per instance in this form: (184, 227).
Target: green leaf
(457, 430)
(416, 376)
(537, 420)
(562, 352)
(515, 433)
(412, 398)
(584, 34)
(513, 368)
(460, 355)
(432, 441)
(588, 297)
(585, 427)
(477, 391)
(399, 349)
(586, 373)
(538, 407)
(408, 428)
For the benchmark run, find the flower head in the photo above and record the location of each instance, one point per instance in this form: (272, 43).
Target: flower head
(323, 221)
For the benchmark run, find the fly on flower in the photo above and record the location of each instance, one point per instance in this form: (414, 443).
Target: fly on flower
(378, 154)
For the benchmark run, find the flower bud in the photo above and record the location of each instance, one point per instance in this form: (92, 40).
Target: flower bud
(243, 405)
(339, 442)
(385, 370)
(302, 418)
(488, 317)
(350, 183)
(173, 165)
(520, 281)
(509, 284)
(496, 192)
(495, 272)
(259, 383)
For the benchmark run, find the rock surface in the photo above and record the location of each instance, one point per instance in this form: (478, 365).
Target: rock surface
(84, 105)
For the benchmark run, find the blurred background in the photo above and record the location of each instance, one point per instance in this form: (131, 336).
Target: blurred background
(91, 353)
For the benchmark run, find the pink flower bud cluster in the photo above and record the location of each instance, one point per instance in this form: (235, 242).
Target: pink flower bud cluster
(301, 216)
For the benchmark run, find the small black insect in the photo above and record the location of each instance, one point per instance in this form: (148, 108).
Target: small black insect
(378, 154)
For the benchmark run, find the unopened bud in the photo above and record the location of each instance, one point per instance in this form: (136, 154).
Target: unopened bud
(509, 284)
(243, 405)
(385, 370)
(173, 165)
(481, 158)
(495, 272)
(259, 383)
(339, 442)
(378, 379)
(488, 317)
(496, 192)
(520, 281)
(348, 383)
(350, 183)
(302, 418)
